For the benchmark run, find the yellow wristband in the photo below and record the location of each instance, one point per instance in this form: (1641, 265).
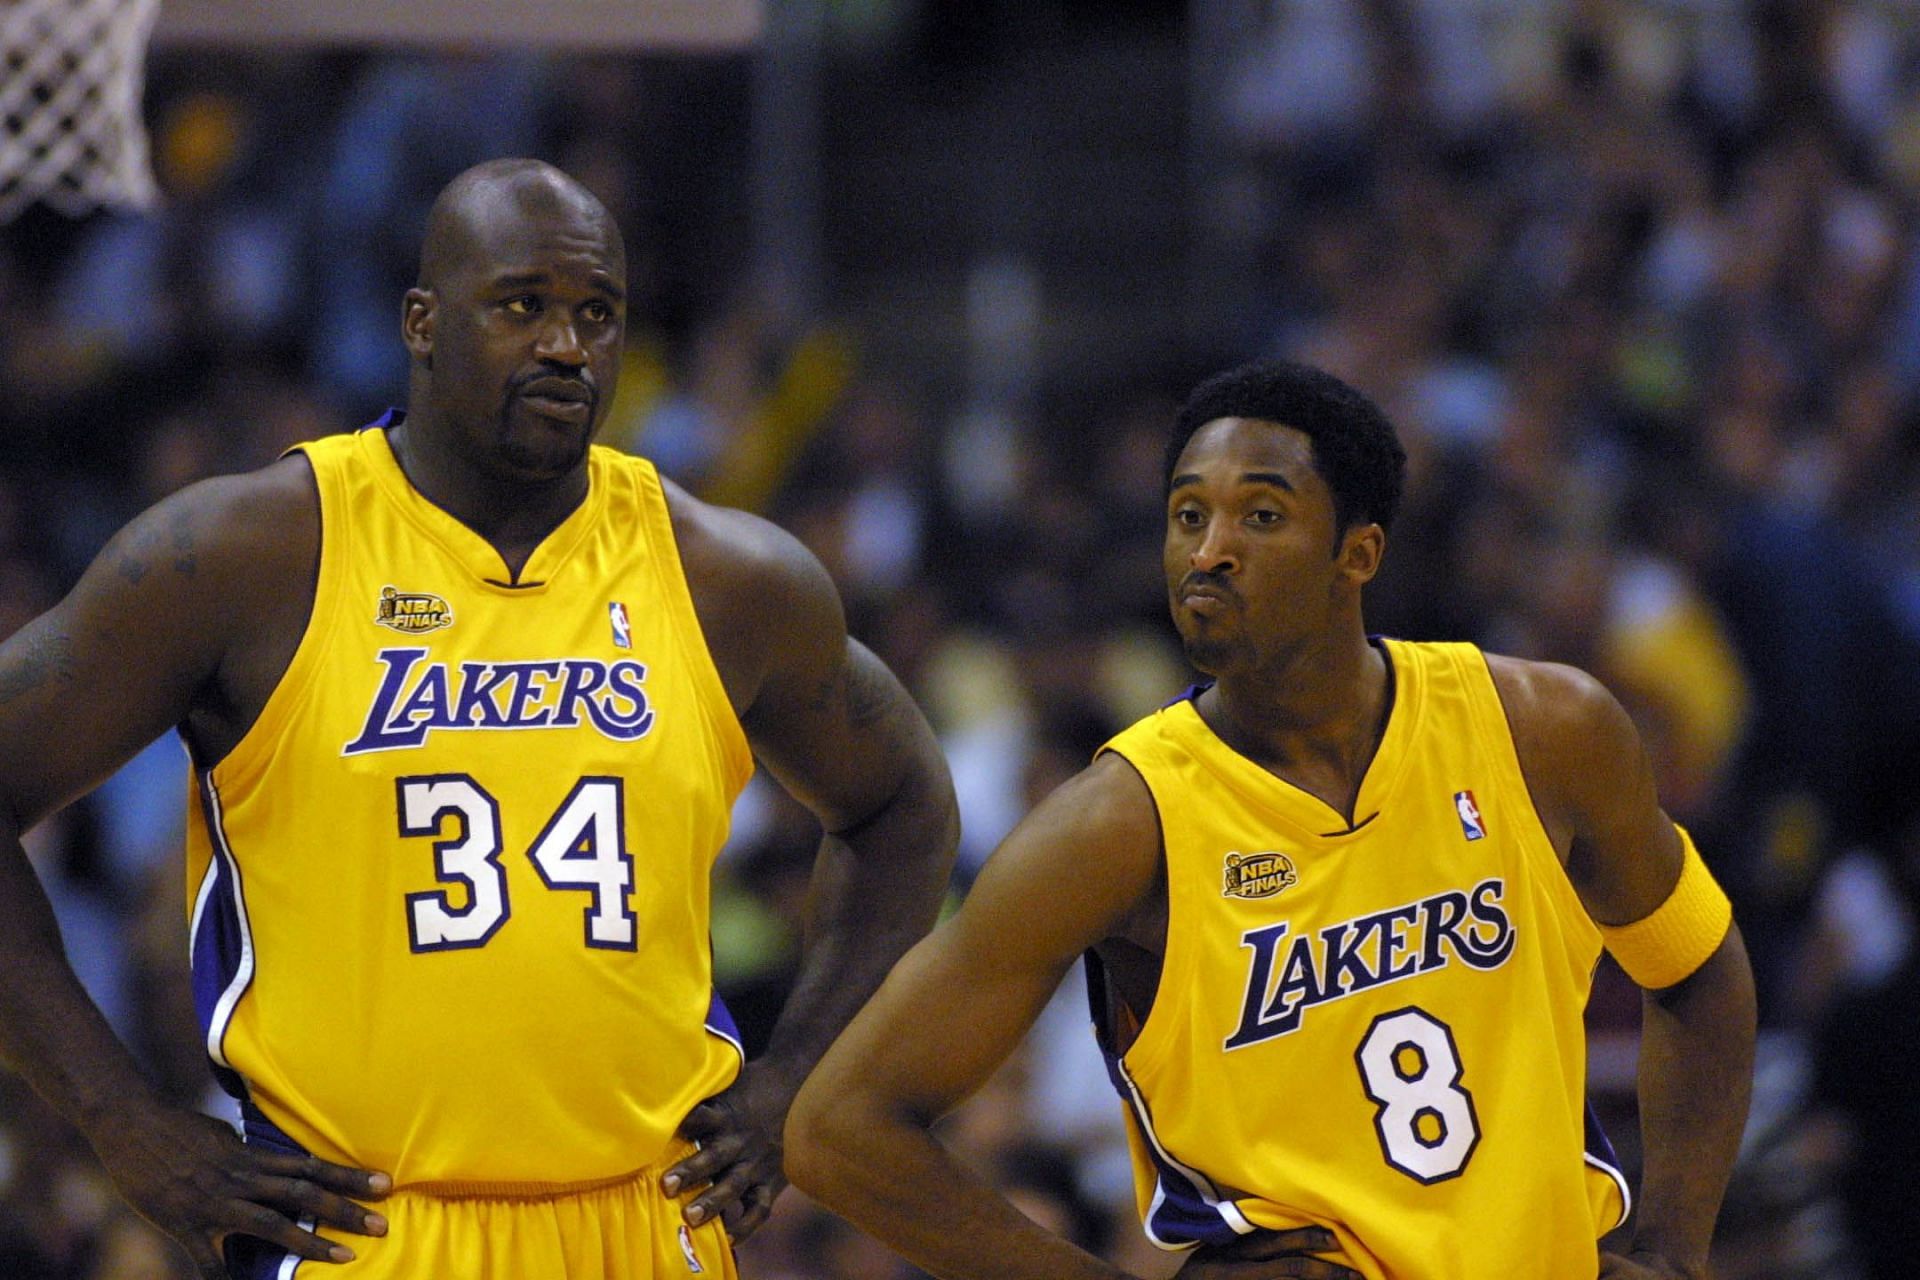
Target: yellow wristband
(1682, 932)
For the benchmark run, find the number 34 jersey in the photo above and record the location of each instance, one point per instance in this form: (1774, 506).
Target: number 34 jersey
(1375, 1029)
(449, 894)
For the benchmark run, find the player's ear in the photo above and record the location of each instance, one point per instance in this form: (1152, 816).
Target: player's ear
(416, 324)
(1361, 548)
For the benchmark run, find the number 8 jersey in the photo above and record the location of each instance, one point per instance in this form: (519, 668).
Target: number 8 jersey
(450, 892)
(1375, 1029)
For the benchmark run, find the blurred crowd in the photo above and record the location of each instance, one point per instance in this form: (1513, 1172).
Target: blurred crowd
(1638, 281)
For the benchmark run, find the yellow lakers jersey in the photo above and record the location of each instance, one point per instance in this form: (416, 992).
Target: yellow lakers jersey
(450, 892)
(1376, 1028)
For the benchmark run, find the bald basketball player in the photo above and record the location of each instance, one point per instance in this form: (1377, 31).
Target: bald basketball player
(468, 700)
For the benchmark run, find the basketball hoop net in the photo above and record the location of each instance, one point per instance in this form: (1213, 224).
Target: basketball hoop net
(71, 75)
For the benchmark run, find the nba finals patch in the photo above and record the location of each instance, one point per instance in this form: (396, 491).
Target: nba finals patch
(686, 1251)
(622, 625)
(414, 612)
(1470, 823)
(1258, 875)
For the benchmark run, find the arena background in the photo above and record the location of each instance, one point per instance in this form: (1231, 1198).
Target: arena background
(1640, 282)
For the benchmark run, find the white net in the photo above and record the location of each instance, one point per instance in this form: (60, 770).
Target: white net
(71, 75)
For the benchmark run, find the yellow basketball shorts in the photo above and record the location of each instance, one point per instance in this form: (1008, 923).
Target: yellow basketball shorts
(625, 1229)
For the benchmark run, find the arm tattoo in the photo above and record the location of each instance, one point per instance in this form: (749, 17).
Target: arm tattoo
(857, 689)
(45, 657)
(827, 693)
(138, 559)
(869, 695)
(183, 557)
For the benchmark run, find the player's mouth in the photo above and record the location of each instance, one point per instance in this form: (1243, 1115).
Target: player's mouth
(560, 398)
(1205, 598)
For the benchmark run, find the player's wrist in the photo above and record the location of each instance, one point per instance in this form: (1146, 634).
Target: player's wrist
(105, 1099)
(768, 1086)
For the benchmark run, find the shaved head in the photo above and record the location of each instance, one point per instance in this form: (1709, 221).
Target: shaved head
(468, 212)
(517, 324)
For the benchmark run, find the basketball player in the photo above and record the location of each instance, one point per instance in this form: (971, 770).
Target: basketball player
(468, 701)
(1341, 909)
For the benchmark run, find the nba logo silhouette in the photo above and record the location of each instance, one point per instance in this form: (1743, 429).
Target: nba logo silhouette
(686, 1251)
(1470, 823)
(622, 628)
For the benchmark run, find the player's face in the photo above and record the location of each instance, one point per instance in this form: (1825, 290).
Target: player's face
(528, 334)
(1252, 573)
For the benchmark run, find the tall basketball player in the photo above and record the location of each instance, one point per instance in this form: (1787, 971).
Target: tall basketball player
(468, 700)
(1342, 907)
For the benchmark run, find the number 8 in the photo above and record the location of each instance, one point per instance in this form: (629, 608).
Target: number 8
(1411, 1070)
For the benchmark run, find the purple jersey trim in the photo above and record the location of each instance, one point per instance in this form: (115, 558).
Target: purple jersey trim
(720, 1023)
(220, 947)
(1600, 1155)
(1186, 1209)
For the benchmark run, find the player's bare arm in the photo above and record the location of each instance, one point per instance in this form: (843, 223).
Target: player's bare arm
(187, 616)
(1593, 786)
(835, 728)
(1082, 869)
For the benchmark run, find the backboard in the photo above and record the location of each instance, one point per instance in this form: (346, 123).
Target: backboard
(567, 24)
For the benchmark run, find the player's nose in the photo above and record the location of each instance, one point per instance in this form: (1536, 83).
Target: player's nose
(559, 343)
(1217, 551)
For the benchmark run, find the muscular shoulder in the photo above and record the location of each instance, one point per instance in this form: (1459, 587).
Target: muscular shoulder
(272, 513)
(230, 537)
(253, 540)
(1091, 851)
(209, 587)
(743, 571)
(1550, 700)
(735, 556)
(1107, 805)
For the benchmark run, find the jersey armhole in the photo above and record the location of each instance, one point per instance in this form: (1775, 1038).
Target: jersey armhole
(1496, 735)
(333, 540)
(1149, 1044)
(657, 520)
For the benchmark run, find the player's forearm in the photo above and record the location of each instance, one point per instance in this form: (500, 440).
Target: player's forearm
(876, 891)
(1696, 1073)
(892, 1179)
(50, 1031)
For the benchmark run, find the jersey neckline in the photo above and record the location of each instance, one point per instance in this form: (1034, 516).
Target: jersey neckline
(474, 553)
(1300, 807)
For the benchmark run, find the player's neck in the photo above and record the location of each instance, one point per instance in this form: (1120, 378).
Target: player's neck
(513, 514)
(1315, 719)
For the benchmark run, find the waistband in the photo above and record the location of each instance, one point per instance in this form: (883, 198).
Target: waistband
(638, 1180)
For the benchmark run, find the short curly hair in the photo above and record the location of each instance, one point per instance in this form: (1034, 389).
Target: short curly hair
(1355, 448)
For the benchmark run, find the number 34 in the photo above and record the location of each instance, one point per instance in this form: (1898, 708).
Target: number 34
(582, 847)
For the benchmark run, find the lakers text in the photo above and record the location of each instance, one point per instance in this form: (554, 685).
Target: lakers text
(1283, 982)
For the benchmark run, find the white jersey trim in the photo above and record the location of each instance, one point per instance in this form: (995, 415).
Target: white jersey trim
(1229, 1211)
(243, 973)
(1619, 1180)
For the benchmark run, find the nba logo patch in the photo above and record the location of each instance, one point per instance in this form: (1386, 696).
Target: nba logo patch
(686, 1251)
(622, 628)
(1470, 823)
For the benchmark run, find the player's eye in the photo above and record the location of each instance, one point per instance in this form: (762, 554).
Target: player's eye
(1263, 515)
(522, 304)
(598, 312)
